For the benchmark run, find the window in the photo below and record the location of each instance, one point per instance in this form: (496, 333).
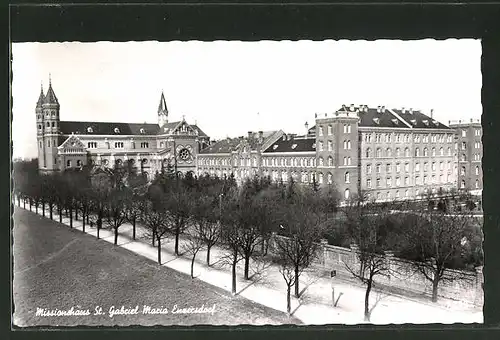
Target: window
(464, 133)
(397, 194)
(407, 167)
(40, 144)
(464, 146)
(142, 131)
(407, 152)
(68, 163)
(477, 184)
(416, 138)
(478, 132)
(345, 128)
(119, 145)
(388, 152)
(320, 146)
(433, 138)
(53, 124)
(48, 124)
(48, 143)
(90, 130)
(330, 145)
(463, 158)
(161, 144)
(441, 152)
(417, 180)
(433, 152)
(369, 183)
(462, 171)
(330, 178)
(320, 130)
(78, 163)
(449, 151)
(388, 168)
(417, 166)
(117, 130)
(462, 184)
(144, 145)
(388, 182)
(377, 168)
(346, 177)
(346, 194)
(330, 130)
(398, 167)
(369, 169)
(433, 166)
(378, 182)
(39, 127)
(425, 179)
(320, 160)
(398, 138)
(426, 153)
(426, 166)
(417, 152)
(379, 152)
(477, 170)
(441, 178)
(456, 145)
(378, 195)
(320, 178)
(348, 128)
(398, 181)
(407, 181)
(368, 153)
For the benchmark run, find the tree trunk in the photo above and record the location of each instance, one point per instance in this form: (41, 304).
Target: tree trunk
(83, 219)
(19, 201)
(288, 299)
(71, 217)
(88, 213)
(435, 285)
(153, 239)
(30, 203)
(247, 264)
(60, 215)
(192, 265)
(297, 293)
(116, 235)
(367, 300)
(233, 286)
(133, 229)
(208, 255)
(159, 250)
(177, 232)
(24, 204)
(36, 208)
(43, 208)
(51, 208)
(76, 214)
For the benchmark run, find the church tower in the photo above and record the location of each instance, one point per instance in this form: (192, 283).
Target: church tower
(162, 111)
(48, 141)
(40, 129)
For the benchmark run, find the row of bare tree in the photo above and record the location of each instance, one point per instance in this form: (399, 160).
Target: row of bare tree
(208, 211)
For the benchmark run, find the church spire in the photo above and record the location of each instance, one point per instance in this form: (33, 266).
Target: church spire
(162, 108)
(51, 98)
(41, 98)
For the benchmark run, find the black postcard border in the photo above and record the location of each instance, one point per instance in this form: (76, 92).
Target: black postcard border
(256, 21)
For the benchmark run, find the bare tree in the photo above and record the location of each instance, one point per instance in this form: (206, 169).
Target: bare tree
(155, 221)
(192, 247)
(206, 222)
(117, 202)
(286, 268)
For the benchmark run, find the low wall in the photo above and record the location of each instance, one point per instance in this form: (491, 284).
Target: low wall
(465, 286)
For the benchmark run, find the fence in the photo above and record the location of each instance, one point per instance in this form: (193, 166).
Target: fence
(465, 286)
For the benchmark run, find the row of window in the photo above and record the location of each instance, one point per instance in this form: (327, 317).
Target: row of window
(477, 132)
(48, 125)
(397, 153)
(117, 145)
(406, 181)
(48, 114)
(388, 167)
(347, 129)
(463, 170)
(405, 138)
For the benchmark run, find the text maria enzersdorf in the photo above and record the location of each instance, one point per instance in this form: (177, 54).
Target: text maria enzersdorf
(112, 311)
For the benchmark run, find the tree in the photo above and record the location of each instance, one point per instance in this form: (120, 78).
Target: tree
(49, 192)
(437, 241)
(366, 225)
(300, 230)
(206, 222)
(193, 245)
(155, 221)
(101, 186)
(286, 267)
(117, 201)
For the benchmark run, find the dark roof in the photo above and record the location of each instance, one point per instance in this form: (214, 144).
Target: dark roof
(50, 98)
(107, 128)
(371, 117)
(173, 125)
(231, 144)
(162, 108)
(41, 99)
(418, 118)
(301, 143)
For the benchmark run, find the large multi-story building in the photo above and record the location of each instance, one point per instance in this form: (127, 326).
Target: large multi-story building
(379, 152)
(146, 147)
(383, 153)
(470, 153)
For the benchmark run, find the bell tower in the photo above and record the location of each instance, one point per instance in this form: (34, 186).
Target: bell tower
(162, 111)
(50, 130)
(40, 129)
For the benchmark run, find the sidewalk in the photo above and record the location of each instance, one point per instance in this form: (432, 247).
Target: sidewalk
(266, 286)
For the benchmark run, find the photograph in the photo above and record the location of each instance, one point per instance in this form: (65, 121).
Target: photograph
(181, 183)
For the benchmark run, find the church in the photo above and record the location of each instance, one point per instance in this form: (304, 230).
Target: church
(147, 148)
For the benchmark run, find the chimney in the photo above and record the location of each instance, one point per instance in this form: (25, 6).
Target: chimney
(432, 113)
(261, 136)
(383, 109)
(352, 107)
(471, 120)
(284, 137)
(378, 108)
(343, 106)
(403, 109)
(250, 133)
(411, 110)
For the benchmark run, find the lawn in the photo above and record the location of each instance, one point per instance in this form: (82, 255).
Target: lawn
(58, 268)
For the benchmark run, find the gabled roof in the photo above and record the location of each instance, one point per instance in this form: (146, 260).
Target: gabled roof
(294, 144)
(72, 142)
(232, 144)
(172, 126)
(417, 119)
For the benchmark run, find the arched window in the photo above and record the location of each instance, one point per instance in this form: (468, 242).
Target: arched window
(346, 194)
(320, 161)
(449, 151)
(78, 163)
(426, 153)
(441, 152)
(462, 184)
(407, 152)
(330, 178)
(417, 152)
(388, 152)
(48, 143)
(68, 163)
(464, 158)
(379, 152)
(477, 184)
(89, 130)
(397, 152)
(347, 177)
(330, 161)
(368, 153)
(477, 170)
(48, 124)
(433, 152)
(320, 178)
(348, 145)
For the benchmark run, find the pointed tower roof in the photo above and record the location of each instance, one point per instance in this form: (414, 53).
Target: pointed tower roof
(162, 108)
(50, 98)
(41, 98)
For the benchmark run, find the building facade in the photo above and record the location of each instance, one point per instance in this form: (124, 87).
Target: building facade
(147, 148)
(470, 153)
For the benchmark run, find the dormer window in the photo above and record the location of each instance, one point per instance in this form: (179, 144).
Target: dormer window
(376, 120)
(435, 122)
(117, 130)
(426, 122)
(294, 146)
(89, 130)
(314, 146)
(142, 131)
(413, 121)
(275, 146)
(395, 121)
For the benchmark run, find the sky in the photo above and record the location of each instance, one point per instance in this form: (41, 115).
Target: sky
(231, 87)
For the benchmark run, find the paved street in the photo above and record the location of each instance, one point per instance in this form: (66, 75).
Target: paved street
(57, 268)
